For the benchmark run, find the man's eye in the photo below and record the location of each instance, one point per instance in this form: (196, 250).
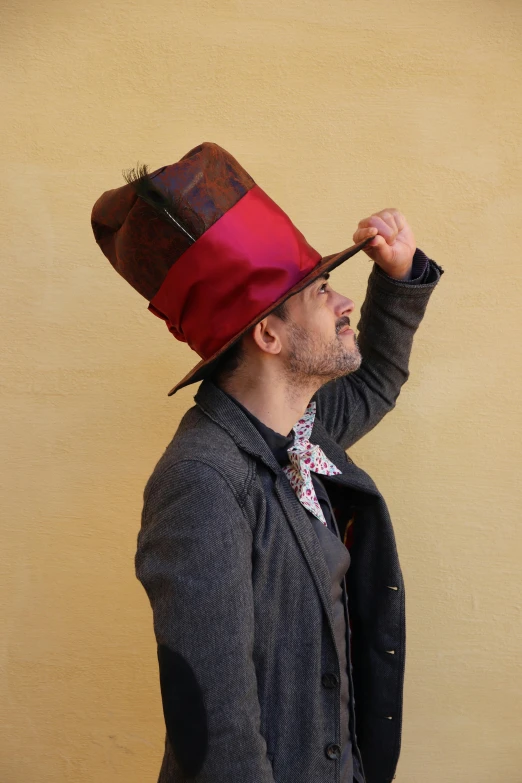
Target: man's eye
(323, 285)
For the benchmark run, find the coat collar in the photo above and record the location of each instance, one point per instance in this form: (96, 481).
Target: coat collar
(219, 407)
(227, 414)
(278, 444)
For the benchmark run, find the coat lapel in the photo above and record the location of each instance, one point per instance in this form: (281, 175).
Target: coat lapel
(306, 538)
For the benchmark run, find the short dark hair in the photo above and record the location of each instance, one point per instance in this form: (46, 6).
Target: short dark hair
(233, 356)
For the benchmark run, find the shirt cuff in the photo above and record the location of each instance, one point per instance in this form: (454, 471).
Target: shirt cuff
(419, 269)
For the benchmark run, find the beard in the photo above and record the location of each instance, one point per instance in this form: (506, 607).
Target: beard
(311, 358)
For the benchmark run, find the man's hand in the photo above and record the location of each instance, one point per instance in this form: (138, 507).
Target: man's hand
(393, 245)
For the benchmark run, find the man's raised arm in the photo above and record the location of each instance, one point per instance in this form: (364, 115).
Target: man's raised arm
(399, 287)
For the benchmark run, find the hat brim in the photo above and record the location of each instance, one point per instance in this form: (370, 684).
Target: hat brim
(206, 367)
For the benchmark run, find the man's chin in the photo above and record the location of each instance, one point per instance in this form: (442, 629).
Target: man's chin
(349, 368)
(342, 371)
(351, 361)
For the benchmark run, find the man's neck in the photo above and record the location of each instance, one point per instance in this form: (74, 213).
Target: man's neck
(279, 409)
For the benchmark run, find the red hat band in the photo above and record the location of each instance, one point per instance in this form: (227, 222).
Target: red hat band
(234, 272)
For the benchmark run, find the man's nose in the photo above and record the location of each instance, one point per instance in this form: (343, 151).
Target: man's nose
(345, 306)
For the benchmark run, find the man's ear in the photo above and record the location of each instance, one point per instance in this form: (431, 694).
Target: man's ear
(266, 336)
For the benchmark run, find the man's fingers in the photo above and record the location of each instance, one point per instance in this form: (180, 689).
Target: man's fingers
(389, 217)
(385, 227)
(395, 220)
(363, 233)
(377, 241)
(388, 223)
(400, 220)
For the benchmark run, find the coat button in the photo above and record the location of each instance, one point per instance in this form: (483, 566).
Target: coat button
(333, 751)
(330, 680)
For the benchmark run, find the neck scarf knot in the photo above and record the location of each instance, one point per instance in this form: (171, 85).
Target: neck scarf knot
(304, 458)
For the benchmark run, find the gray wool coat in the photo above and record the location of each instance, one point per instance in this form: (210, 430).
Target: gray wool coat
(240, 590)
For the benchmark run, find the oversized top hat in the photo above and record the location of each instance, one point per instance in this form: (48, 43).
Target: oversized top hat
(209, 250)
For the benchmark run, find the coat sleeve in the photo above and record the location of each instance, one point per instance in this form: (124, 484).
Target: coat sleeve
(194, 559)
(350, 406)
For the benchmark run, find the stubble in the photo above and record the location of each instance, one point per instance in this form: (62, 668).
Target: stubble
(310, 358)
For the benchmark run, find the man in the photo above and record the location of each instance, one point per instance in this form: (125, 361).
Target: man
(268, 557)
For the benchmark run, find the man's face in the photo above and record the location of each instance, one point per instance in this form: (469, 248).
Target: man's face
(313, 344)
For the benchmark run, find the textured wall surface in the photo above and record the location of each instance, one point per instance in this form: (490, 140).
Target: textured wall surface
(337, 109)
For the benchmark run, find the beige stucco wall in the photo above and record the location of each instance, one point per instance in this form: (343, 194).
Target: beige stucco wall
(337, 109)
